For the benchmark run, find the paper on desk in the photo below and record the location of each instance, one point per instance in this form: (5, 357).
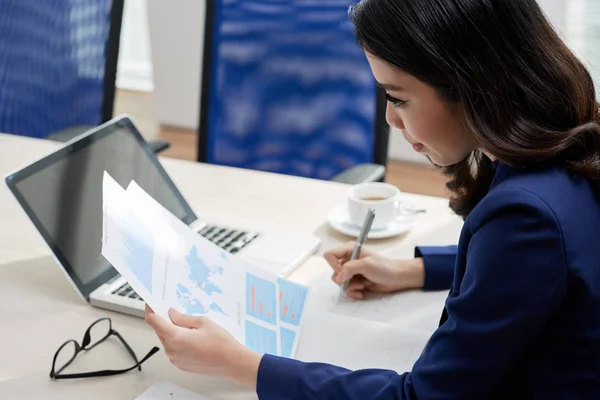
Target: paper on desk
(167, 391)
(357, 344)
(169, 265)
(416, 309)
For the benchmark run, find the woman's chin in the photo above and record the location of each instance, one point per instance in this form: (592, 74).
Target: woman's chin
(440, 161)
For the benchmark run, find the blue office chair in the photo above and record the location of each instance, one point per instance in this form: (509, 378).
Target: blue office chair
(286, 89)
(58, 66)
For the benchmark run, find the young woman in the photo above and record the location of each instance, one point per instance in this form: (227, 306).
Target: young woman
(487, 90)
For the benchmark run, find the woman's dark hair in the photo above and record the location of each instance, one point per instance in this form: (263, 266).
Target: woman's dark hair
(517, 86)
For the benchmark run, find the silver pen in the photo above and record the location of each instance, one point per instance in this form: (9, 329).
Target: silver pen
(358, 244)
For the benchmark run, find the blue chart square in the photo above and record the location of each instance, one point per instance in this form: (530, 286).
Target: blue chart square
(260, 339)
(287, 342)
(292, 298)
(261, 302)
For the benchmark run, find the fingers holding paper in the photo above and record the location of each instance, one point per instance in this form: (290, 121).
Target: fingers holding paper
(157, 323)
(194, 344)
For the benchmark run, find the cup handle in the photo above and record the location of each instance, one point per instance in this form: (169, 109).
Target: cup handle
(406, 208)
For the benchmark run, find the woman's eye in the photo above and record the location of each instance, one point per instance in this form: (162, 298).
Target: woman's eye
(396, 102)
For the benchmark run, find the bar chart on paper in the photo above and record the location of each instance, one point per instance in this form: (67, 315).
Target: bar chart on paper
(261, 339)
(288, 342)
(261, 299)
(291, 299)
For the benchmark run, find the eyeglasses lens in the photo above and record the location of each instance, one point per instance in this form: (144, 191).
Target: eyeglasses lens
(98, 332)
(65, 355)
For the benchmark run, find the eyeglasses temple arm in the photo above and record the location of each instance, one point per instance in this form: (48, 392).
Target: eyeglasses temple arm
(129, 349)
(108, 372)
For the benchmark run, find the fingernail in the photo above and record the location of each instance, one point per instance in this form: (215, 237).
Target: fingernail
(340, 278)
(173, 311)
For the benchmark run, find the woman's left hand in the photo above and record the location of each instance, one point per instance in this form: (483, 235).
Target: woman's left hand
(198, 345)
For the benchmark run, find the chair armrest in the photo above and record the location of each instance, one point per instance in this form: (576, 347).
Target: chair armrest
(158, 145)
(361, 173)
(67, 134)
(70, 133)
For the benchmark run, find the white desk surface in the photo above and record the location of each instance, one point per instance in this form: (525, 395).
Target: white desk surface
(40, 310)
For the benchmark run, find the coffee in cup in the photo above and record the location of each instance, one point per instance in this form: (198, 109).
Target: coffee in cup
(383, 198)
(373, 198)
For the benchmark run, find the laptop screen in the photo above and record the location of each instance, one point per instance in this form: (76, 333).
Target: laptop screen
(62, 194)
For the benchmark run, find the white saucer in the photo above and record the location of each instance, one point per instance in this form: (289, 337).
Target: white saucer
(340, 221)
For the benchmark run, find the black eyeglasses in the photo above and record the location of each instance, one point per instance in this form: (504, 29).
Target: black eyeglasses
(97, 333)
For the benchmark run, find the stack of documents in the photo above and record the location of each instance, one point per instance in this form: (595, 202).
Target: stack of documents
(169, 265)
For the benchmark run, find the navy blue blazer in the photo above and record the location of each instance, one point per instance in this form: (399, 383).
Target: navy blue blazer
(522, 320)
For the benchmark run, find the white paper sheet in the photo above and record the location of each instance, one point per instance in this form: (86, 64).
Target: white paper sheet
(357, 344)
(414, 309)
(170, 265)
(291, 297)
(167, 391)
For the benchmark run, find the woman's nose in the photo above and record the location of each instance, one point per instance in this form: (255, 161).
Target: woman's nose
(392, 117)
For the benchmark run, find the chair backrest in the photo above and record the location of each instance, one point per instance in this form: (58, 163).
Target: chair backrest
(58, 62)
(286, 89)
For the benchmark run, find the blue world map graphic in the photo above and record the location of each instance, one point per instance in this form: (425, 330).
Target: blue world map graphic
(202, 277)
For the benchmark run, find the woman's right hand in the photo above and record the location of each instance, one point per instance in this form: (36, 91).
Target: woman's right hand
(374, 273)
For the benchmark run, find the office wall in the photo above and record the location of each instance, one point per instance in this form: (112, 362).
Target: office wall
(176, 32)
(135, 63)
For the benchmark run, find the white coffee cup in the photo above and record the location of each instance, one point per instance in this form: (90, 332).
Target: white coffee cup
(383, 198)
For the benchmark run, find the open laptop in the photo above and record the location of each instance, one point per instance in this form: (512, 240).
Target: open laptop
(62, 195)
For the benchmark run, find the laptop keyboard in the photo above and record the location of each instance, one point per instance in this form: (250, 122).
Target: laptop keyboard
(230, 240)
(126, 291)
